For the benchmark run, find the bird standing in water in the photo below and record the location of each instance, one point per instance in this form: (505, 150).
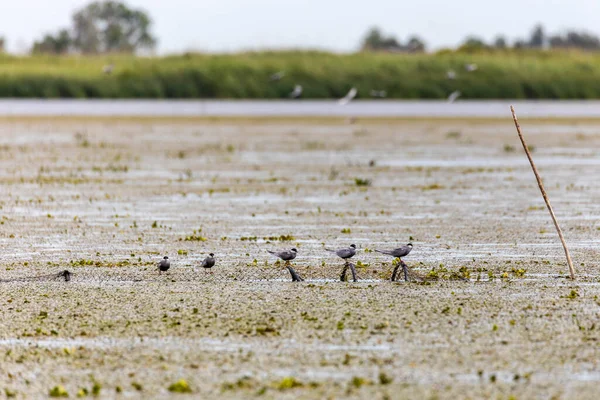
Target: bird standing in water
(287, 256)
(164, 265)
(399, 252)
(345, 253)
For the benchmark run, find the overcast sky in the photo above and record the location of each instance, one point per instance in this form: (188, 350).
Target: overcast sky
(229, 25)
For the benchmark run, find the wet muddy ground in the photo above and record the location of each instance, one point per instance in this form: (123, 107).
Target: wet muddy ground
(107, 199)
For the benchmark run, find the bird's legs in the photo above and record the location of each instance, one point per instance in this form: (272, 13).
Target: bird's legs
(395, 271)
(352, 269)
(343, 275)
(293, 273)
(399, 264)
(405, 270)
(353, 272)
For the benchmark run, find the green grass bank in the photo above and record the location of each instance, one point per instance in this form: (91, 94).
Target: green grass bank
(500, 75)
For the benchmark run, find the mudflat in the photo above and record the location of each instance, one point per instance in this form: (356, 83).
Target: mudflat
(107, 199)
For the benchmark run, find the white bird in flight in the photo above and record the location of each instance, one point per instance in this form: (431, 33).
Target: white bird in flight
(378, 93)
(451, 74)
(108, 69)
(277, 76)
(471, 67)
(453, 96)
(346, 99)
(297, 92)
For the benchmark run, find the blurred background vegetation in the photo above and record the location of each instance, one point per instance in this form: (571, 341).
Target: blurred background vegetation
(106, 52)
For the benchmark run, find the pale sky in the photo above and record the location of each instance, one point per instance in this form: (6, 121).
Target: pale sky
(338, 25)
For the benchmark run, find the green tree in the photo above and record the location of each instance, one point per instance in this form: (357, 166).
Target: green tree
(59, 44)
(473, 43)
(375, 40)
(101, 27)
(500, 42)
(111, 26)
(416, 44)
(538, 37)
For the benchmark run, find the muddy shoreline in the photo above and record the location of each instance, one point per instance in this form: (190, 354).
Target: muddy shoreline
(106, 200)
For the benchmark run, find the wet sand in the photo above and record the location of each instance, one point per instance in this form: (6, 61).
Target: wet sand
(107, 199)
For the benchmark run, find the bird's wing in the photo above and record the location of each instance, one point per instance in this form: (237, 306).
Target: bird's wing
(204, 263)
(331, 250)
(344, 253)
(389, 253)
(272, 252)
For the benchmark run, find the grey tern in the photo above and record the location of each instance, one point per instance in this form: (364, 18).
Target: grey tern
(208, 262)
(287, 256)
(399, 252)
(344, 253)
(164, 265)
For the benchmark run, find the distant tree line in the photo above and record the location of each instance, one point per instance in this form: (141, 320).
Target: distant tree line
(375, 40)
(101, 27)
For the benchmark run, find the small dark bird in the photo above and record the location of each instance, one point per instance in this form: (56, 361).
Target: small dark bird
(399, 252)
(345, 253)
(285, 255)
(164, 265)
(208, 262)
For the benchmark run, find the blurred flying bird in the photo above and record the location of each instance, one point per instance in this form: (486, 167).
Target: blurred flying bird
(108, 69)
(344, 253)
(453, 96)
(277, 76)
(164, 265)
(208, 262)
(451, 74)
(349, 96)
(378, 93)
(297, 92)
(399, 252)
(471, 67)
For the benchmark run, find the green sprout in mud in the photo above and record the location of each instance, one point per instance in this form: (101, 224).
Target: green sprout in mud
(58, 391)
(572, 295)
(288, 383)
(181, 386)
(433, 186)
(358, 382)
(280, 238)
(194, 238)
(362, 182)
(385, 379)
(519, 273)
(346, 231)
(137, 386)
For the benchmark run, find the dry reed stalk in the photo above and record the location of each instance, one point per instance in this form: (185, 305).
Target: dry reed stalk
(544, 195)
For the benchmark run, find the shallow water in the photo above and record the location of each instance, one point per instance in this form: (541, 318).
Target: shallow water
(276, 108)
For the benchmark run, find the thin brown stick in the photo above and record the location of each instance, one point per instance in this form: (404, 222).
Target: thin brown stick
(544, 195)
